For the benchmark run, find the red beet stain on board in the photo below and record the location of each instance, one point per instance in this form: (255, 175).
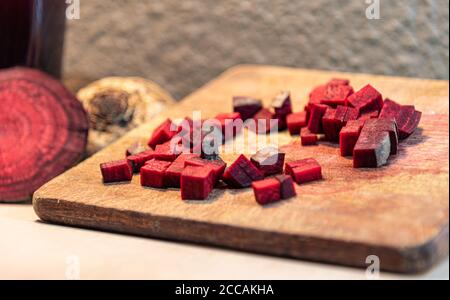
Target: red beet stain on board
(43, 131)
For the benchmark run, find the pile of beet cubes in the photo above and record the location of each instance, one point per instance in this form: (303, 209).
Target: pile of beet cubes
(366, 127)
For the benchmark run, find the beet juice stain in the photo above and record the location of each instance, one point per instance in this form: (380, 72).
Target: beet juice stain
(32, 34)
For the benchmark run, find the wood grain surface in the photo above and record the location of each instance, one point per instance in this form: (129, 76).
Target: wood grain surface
(398, 213)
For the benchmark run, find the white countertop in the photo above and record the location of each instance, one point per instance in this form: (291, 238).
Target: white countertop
(31, 249)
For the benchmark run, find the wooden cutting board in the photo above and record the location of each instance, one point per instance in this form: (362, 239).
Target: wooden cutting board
(398, 213)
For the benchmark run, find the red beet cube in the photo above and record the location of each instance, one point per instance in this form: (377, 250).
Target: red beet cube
(173, 173)
(241, 173)
(153, 173)
(297, 121)
(282, 106)
(168, 151)
(217, 165)
(373, 114)
(269, 161)
(335, 119)
(316, 96)
(266, 191)
(390, 126)
(135, 149)
(366, 99)
(304, 170)
(308, 138)
(196, 183)
(116, 171)
(162, 134)
(349, 136)
(315, 118)
(406, 116)
(138, 160)
(339, 81)
(265, 121)
(372, 149)
(229, 127)
(287, 189)
(336, 94)
(246, 106)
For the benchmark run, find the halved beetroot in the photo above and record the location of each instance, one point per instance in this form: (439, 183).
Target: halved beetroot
(116, 171)
(266, 191)
(297, 121)
(138, 160)
(173, 173)
(282, 106)
(308, 138)
(287, 189)
(406, 116)
(153, 173)
(315, 117)
(372, 149)
(217, 165)
(43, 131)
(162, 134)
(269, 161)
(246, 106)
(196, 183)
(241, 173)
(349, 136)
(304, 170)
(366, 99)
(265, 121)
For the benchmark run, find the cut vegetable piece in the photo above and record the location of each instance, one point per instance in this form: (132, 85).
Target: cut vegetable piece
(241, 173)
(308, 138)
(269, 161)
(315, 118)
(168, 151)
(282, 106)
(196, 183)
(43, 131)
(304, 170)
(246, 106)
(173, 173)
(217, 165)
(162, 134)
(349, 136)
(366, 99)
(230, 128)
(335, 119)
(116, 171)
(379, 125)
(296, 122)
(287, 189)
(266, 191)
(373, 114)
(135, 149)
(153, 173)
(339, 81)
(336, 94)
(316, 96)
(406, 116)
(372, 149)
(265, 121)
(138, 160)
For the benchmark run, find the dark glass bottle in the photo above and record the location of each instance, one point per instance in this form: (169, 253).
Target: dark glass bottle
(32, 34)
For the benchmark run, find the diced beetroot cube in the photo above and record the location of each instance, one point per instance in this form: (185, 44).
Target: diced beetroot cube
(196, 183)
(229, 128)
(135, 149)
(316, 96)
(349, 136)
(246, 106)
(406, 116)
(339, 81)
(373, 114)
(297, 121)
(116, 171)
(162, 134)
(366, 99)
(168, 151)
(138, 160)
(241, 173)
(287, 189)
(335, 119)
(308, 138)
(265, 121)
(282, 105)
(153, 173)
(390, 126)
(266, 191)
(217, 165)
(336, 94)
(304, 170)
(269, 161)
(173, 173)
(372, 149)
(315, 118)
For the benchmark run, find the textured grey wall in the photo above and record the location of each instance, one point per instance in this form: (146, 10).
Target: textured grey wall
(182, 44)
